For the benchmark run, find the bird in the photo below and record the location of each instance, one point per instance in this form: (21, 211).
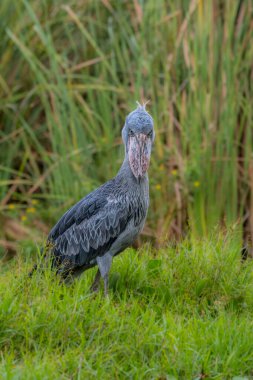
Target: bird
(108, 220)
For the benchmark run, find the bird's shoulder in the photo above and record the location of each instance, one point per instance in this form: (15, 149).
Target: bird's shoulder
(105, 199)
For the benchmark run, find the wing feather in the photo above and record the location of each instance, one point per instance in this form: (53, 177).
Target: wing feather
(88, 229)
(84, 209)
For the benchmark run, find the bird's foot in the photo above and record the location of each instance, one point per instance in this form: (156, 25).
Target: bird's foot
(94, 288)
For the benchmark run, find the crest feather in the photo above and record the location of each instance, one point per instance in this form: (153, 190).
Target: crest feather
(142, 106)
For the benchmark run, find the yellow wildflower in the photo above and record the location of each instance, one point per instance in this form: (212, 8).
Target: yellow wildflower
(174, 172)
(23, 218)
(196, 183)
(35, 201)
(158, 187)
(30, 210)
(11, 206)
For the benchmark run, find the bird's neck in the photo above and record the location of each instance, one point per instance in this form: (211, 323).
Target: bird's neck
(131, 185)
(126, 173)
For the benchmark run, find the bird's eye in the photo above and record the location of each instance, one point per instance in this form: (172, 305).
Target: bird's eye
(150, 134)
(131, 134)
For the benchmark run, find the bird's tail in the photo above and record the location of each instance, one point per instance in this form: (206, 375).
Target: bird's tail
(43, 252)
(34, 268)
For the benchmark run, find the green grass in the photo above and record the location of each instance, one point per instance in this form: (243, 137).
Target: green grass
(177, 313)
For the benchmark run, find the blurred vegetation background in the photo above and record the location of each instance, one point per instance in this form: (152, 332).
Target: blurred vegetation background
(71, 71)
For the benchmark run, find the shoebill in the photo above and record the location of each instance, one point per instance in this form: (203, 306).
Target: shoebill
(109, 219)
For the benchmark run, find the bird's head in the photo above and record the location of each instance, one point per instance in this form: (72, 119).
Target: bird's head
(138, 136)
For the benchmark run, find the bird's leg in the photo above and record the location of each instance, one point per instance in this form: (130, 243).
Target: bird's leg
(104, 265)
(106, 282)
(95, 285)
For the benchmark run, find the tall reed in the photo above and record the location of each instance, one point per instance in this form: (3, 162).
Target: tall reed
(70, 73)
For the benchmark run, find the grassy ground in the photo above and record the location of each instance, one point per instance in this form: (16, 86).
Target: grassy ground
(183, 312)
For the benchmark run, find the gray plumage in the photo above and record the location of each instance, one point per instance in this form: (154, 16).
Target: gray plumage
(110, 218)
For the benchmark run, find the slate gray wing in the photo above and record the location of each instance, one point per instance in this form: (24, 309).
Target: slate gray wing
(82, 210)
(88, 230)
